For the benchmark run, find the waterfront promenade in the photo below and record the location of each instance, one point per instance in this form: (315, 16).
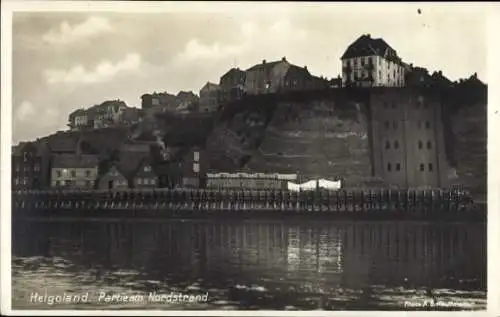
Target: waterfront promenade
(366, 204)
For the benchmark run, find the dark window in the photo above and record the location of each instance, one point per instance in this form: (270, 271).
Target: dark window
(387, 124)
(430, 167)
(73, 174)
(395, 124)
(422, 167)
(427, 125)
(387, 145)
(58, 173)
(429, 145)
(389, 167)
(396, 144)
(420, 144)
(398, 167)
(87, 173)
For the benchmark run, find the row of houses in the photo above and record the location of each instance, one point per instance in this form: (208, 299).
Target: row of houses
(367, 62)
(107, 114)
(267, 77)
(61, 164)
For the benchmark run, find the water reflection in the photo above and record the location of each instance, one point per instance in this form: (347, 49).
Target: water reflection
(264, 264)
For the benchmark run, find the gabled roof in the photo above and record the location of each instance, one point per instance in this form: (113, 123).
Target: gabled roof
(233, 71)
(74, 161)
(209, 85)
(267, 65)
(114, 166)
(365, 45)
(130, 156)
(296, 70)
(77, 112)
(129, 163)
(186, 95)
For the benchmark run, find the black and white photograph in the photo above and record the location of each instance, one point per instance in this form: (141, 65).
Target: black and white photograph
(226, 157)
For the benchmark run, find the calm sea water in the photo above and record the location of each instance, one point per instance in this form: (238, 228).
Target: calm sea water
(260, 264)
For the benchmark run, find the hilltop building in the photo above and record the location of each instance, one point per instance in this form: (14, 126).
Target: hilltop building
(232, 85)
(107, 114)
(280, 76)
(371, 62)
(209, 97)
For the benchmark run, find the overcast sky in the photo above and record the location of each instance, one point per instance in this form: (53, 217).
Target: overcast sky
(66, 60)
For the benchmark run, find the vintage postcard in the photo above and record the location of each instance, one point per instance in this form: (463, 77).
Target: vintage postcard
(238, 158)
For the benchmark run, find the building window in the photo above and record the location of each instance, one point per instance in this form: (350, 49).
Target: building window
(395, 125)
(153, 182)
(396, 144)
(420, 145)
(196, 156)
(147, 168)
(389, 167)
(58, 173)
(17, 168)
(87, 184)
(429, 145)
(398, 167)
(87, 173)
(422, 167)
(196, 167)
(16, 181)
(139, 181)
(73, 174)
(37, 168)
(387, 124)
(58, 183)
(430, 167)
(427, 125)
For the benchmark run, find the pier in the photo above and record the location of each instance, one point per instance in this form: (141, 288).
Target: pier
(180, 203)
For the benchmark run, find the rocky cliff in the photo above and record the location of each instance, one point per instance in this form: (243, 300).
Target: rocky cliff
(317, 137)
(469, 130)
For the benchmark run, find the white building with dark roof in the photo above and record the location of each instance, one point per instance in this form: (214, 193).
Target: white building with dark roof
(371, 62)
(74, 171)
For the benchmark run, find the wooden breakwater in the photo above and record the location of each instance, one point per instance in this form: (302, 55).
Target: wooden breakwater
(356, 203)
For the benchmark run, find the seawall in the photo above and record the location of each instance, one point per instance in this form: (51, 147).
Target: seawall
(358, 204)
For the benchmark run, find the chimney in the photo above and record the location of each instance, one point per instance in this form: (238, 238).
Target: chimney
(283, 59)
(440, 73)
(369, 35)
(263, 61)
(305, 67)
